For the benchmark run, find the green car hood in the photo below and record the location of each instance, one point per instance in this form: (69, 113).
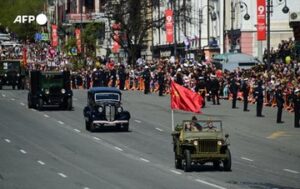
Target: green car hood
(202, 135)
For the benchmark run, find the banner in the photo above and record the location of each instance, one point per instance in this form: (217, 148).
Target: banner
(261, 20)
(54, 36)
(116, 46)
(184, 99)
(78, 39)
(169, 25)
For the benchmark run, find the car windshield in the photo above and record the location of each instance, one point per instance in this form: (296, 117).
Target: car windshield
(107, 96)
(10, 66)
(51, 80)
(202, 126)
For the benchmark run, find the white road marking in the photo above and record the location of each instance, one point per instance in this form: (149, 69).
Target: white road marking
(45, 115)
(40, 162)
(22, 104)
(76, 130)
(159, 129)
(23, 151)
(75, 99)
(12, 99)
(176, 172)
(3, 95)
(7, 140)
(86, 188)
(117, 148)
(60, 122)
(291, 171)
(62, 175)
(247, 159)
(138, 121)
(34, 110)
(96, 138)
(145, 160)
(210, 184)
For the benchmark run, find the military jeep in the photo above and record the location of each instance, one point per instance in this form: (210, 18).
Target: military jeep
(104, 109)
(200, 142)
(50, 88)
(12, 74)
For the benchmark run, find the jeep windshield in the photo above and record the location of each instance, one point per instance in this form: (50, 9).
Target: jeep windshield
(52, 80)
(202, 126)
(107, 97)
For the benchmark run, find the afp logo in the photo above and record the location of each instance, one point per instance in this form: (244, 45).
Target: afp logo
(40, 19)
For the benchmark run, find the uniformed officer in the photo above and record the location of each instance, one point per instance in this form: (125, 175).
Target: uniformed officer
(113, 76)
(215, 88)
(280, 103)
(296, 100)
(201, 87)
(245, 90)
(234, 88)
(122, 77)
(96, 77)
(147, 78)
(259, 96)
(161, 82)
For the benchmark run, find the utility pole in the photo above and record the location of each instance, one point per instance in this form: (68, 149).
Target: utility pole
(268, 34)
(175, 28)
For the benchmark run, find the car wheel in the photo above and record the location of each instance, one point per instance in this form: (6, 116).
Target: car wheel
(69, 104)
(125, 127)
(40, 104)
(178, 162)
(187, 163)
(92, 127)
(87, 125)
(29, 102)
(227, 161)
(13, 87)
(0, 87)
(216, 164)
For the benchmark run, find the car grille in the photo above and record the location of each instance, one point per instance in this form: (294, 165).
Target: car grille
(110, 112)
(207, 145)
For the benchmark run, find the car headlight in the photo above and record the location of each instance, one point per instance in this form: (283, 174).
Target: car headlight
(100, 109)
(220, 143)
(5, 75)
(63, 91)
(47, 91)
(18, 75)
(120, 109)
(195, 143)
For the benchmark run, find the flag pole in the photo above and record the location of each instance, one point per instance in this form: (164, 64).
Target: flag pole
(173, 120)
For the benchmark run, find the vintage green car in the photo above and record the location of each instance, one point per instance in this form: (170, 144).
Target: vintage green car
(200, 142)
(12, 74)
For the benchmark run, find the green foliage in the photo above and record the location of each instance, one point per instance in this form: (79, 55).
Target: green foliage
(11, 8)
(92, 32)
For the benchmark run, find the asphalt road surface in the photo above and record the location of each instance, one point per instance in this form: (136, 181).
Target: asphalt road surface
(52, 149)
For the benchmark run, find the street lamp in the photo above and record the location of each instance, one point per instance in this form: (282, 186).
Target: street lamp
(285, 10)
(246, 17)
(213, 15)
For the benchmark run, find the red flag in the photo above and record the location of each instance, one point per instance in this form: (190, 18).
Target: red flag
(261, 20)
(54, 36)
(185, 99)
(169, 25)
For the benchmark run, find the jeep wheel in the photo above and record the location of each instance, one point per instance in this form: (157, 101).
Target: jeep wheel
(40, 104)
(178, 162)
(227, 161)
(87, 125)
(187, 162)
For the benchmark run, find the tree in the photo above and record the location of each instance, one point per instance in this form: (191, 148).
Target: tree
(9, 11)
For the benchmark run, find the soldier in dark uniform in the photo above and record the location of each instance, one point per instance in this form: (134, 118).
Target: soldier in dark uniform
(259, 96)
(105, 77)
(88, 80)
(122, 77)
(113, 76)
(179, 77)
(161, 82)
(215, 88)
(147, 78)
(296, 100)
(96, 77)
(208, 87)
(245, 90)
(280, 103)
(234, 88)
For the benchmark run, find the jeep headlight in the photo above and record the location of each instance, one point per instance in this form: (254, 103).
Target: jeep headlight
(220, 143)
(120, 109)
(100, 109)
(195, 143)
(47, 91)
(63, 91)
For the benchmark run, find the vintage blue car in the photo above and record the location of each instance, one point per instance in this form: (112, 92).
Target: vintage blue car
(104, 109)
